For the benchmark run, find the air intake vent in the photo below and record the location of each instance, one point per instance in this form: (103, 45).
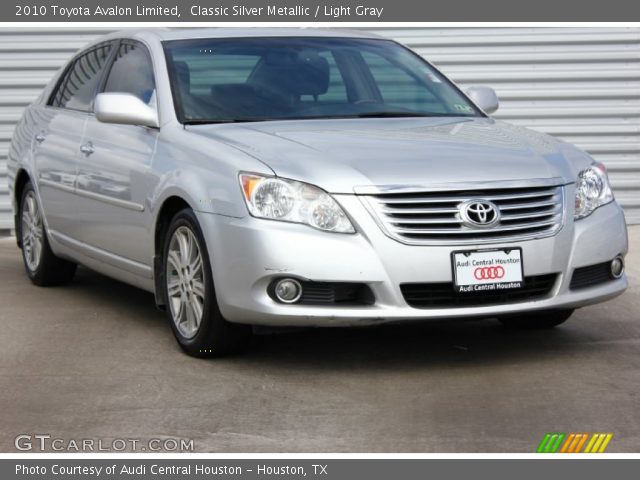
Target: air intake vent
(442, 295)
(590, 276)
(330, 293)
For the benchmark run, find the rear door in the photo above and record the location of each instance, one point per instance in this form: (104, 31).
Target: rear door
(57, 143)
(114, 169)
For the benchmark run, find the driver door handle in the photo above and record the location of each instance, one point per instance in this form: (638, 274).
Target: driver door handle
(87, 148)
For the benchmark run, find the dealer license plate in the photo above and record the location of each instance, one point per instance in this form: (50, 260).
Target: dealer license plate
(487, 270)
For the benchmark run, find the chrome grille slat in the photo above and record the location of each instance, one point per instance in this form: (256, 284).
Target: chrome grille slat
(411, 211)
(424, 221)
(524, 216)
(518, 226)
(520, 206)
(458, 198)
(434, 217)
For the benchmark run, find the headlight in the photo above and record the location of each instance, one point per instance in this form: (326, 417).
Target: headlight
(290, 201)
(592, 190)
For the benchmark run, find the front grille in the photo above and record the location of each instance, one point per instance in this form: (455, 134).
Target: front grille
(590, 276)
(442, 295)
(434, 217)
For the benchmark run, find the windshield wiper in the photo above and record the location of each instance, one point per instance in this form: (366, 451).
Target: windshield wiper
(223, 120)
(392, 114)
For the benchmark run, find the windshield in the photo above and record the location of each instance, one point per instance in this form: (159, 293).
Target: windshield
(259, 79)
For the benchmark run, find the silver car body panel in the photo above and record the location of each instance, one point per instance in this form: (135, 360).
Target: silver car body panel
(101, 207)
(113, 181)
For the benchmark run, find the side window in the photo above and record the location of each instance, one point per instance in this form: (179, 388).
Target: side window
(78, 85)
(132, 72)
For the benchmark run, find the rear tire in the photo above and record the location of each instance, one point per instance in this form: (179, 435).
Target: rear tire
(189, 293)
(537, 320)
(42, 266)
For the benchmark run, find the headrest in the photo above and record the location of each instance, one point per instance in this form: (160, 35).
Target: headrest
(302, 73)
(312, 76)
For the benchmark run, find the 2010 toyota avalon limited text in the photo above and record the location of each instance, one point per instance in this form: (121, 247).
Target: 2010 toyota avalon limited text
(291, 177)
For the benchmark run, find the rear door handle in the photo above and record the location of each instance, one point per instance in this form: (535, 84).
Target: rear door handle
(87, 148)
(40, 137)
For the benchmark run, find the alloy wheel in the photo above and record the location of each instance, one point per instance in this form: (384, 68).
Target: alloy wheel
(185, 282)
(32, 231)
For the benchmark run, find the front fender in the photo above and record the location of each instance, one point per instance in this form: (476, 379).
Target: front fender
(202, 172)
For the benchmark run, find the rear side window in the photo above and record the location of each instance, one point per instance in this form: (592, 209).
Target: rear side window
(132, 72)
(78, 86)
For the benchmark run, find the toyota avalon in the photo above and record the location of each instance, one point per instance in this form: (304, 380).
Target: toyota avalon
(287, 177)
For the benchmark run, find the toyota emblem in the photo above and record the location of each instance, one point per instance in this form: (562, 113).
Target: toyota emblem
(479, 213)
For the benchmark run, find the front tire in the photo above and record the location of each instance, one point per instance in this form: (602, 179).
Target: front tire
(536, 320)
(42, 266)
(191, 304)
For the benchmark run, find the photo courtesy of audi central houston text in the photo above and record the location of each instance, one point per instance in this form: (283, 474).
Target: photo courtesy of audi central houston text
(282, 177)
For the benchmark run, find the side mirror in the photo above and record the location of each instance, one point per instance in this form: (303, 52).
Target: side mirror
(124, 108)
(485, 98)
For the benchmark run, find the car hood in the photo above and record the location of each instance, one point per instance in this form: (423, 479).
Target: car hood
(361, 155)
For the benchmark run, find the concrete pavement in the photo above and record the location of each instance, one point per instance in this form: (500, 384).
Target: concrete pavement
(96, 360)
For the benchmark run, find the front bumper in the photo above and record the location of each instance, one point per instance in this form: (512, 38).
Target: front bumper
(248, 253)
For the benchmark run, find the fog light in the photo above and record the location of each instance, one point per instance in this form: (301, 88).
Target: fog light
(617, 267)
(288, 290)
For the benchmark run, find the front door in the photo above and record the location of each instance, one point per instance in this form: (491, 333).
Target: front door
(114, 168)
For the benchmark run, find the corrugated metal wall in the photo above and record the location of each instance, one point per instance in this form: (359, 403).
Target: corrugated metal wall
(581, 84)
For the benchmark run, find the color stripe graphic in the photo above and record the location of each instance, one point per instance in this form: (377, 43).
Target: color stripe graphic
(557, 442)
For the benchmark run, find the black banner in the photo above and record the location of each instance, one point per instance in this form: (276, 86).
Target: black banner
(317, 11)
(312, 469)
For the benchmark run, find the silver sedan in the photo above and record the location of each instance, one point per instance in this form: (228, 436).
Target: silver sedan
(304, 178)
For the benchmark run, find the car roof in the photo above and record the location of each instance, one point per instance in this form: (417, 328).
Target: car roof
(162, 34)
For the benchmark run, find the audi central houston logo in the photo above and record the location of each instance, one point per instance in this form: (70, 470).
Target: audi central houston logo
(479, 213)
(488, 273)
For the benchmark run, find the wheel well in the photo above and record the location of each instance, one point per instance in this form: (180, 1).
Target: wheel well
(21, 180)
(169, 208)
